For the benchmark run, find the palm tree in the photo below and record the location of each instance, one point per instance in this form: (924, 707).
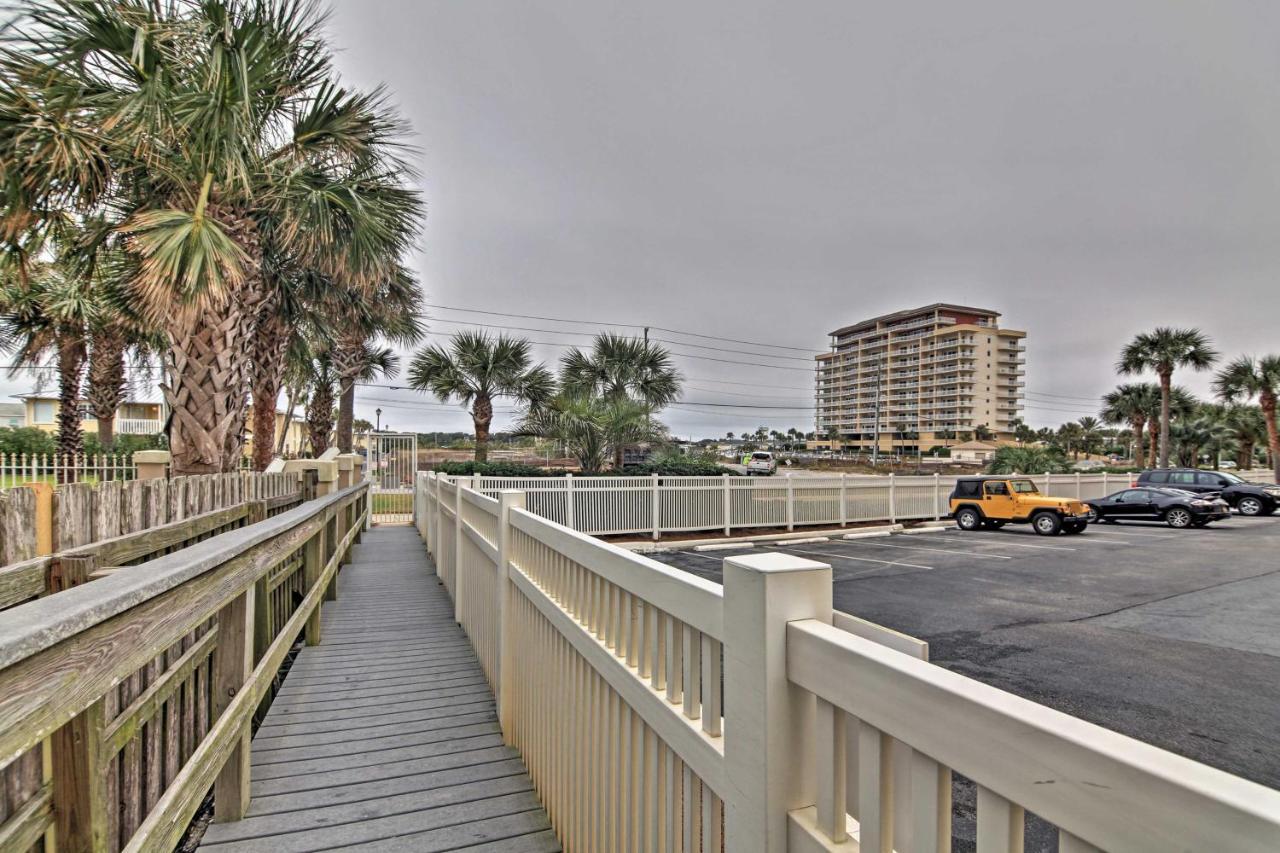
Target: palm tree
(593, 428)
(477, 369)
(1131, 404)
(1163, 351)
(1090, 434)
(320, 402)
(1027, 460)
(1248, 430)
(216, 136)
(620, 367)
(47, 310)
(1248, 377)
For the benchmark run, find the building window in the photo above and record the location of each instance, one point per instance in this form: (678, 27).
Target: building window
(42, 411)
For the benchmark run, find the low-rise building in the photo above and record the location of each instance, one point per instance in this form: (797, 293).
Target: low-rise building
(973, 451)
(133, 416)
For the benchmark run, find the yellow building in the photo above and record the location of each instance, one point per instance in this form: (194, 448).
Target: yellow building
(922, 378)
(295, 433)
(133, 417)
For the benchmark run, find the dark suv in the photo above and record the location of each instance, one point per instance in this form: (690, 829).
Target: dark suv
(1247, 498)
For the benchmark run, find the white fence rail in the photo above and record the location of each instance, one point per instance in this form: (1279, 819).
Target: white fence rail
(656, 505)
(656, 710)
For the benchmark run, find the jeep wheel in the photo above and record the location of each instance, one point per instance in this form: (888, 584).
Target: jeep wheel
(968, 519)
(1046, 523)
(993, 523)
(1250, 505)
(1178, 517)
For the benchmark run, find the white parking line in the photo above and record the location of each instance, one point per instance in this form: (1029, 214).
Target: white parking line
(1003, 544)
(965, 553)
(1125, 531)
(829, 555)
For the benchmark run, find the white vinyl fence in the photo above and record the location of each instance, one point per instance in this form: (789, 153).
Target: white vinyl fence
(655, 505)
(657, 710)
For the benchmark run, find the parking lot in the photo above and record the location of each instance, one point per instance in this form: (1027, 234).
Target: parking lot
(1169, 636)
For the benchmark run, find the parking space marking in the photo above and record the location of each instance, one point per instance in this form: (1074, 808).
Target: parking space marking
(1004, 544)
(961, 552)
(1127, 532)
(859, 559)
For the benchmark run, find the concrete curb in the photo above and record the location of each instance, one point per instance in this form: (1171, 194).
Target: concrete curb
(810, 541)
(722, 546)
(916, 531)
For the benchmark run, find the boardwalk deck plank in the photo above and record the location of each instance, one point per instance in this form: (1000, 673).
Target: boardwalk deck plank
(385, 737)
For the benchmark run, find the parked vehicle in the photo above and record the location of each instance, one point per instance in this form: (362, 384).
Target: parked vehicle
(994, 501)
(761, 462)
(1246, 498)
(1175, 507)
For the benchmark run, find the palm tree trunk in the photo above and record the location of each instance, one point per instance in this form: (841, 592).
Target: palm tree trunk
(346, 364)
(1166, 389)
(1138, 426)
(1267, 399)
(320, 418)
(71, 358)
(482, 416)
(271, 344)
(106, 383)
(208, 375)
(346, 417)
(1153, 435)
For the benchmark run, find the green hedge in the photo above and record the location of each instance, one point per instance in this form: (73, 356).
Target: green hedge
(493, 469)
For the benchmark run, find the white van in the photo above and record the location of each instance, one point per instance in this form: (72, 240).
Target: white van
(761, 462)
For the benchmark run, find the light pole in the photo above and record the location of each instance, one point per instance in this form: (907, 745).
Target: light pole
(378, 415)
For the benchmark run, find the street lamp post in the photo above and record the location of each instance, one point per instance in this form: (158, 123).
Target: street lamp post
(378, 415)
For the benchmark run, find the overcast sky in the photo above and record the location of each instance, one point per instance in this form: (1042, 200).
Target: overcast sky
(769, 172)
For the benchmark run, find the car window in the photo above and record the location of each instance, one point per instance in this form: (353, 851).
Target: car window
(996, 487)
(1135, 496)
(1207, 478)
(765, 457)
(1182, 478)
(1025, 487)
(1156, 477)
(968, 488)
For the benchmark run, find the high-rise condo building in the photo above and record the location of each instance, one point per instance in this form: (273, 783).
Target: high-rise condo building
(923, 378)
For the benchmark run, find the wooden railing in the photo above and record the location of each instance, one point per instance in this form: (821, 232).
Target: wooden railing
(656, 710)
(106, 526)
(123, 701)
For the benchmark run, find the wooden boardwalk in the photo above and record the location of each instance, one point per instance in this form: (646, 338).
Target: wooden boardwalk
(385, 736)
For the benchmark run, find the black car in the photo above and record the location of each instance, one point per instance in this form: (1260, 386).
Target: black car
(1175, 507)
(1246, 498)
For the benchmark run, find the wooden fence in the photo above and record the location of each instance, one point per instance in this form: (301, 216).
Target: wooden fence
(122, 702)
(657, 710)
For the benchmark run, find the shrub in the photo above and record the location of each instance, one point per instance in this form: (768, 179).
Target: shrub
(492, 469)
(26, 440)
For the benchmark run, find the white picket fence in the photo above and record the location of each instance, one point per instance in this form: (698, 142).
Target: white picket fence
(656, 710)
(18, 468)
(656, 505)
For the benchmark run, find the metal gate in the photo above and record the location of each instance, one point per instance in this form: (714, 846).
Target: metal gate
(391, 460)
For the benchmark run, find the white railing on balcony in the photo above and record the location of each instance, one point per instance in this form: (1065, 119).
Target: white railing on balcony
(656, 710)
(139, 426)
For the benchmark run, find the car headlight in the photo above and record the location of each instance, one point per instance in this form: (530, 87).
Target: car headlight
(1274, 491)
(1202, 503)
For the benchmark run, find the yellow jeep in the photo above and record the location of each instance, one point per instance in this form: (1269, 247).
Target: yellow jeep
(994, 501)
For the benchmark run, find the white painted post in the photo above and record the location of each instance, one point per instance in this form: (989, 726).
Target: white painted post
(507, 501)
(657, 510)
(769, 722)
(458, 582)
(791, 504)
(893, 501)
(728, 506)
(1106, 490)
(844, 499)
(568, 503)
(937, 497)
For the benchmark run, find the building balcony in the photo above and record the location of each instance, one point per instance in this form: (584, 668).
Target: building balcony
(138, 426)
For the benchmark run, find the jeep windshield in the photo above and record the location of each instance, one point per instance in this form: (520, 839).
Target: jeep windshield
(1023, 487)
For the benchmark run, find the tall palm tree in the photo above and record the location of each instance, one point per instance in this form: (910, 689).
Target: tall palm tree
(1248, 377)
(47, 311)
(621, 367)
(477, 369)
(1162, 351)
(320, 402)
(1131, 404)
(1248, 430)
(217, 137)
(591, 427)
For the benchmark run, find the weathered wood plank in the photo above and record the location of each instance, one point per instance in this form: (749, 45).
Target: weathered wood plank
(28, 823)
(23, 581)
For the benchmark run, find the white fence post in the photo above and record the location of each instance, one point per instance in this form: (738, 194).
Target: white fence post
(507, 501)
(1078, 492)
(728, 506)
(937, 496)
(844, 499)
(768, 721)
(568, 503)
(436, 554)
(893, 503)
(458, 583)
(1106, 490)
(657, 510)
(791, 504)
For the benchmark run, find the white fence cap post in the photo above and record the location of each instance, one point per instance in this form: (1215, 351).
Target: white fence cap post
(768, 721)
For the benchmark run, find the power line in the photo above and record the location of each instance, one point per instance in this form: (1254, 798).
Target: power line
(623, 325)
